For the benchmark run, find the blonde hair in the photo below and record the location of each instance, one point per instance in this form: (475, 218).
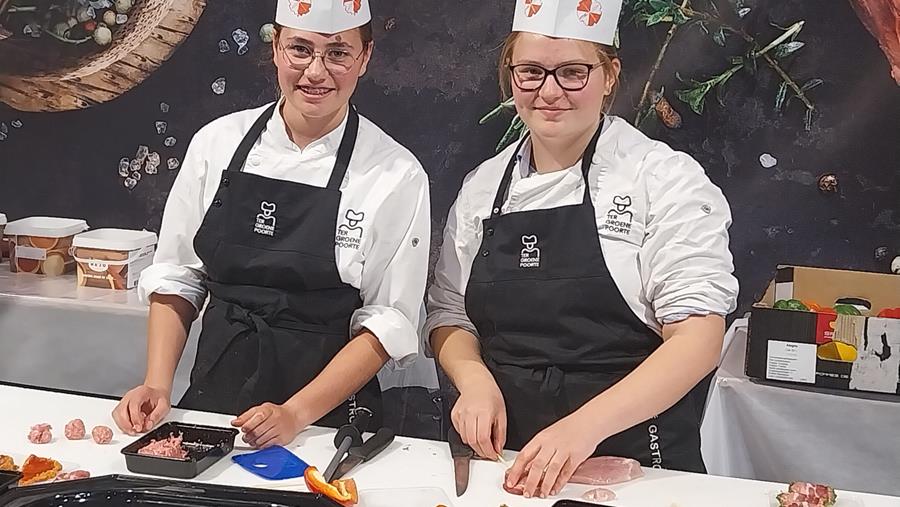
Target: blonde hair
(606, 54)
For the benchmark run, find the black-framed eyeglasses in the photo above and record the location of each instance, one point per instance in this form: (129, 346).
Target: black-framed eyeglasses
(336, 60)
(570, 77)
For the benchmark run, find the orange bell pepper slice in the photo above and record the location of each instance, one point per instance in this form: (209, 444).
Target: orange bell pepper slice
(341, 491)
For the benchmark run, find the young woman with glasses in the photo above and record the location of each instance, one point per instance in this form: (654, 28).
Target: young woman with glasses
(308, 228)
(585, 273)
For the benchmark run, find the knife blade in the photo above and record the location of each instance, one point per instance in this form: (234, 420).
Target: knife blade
(360, 454)
(462, 455)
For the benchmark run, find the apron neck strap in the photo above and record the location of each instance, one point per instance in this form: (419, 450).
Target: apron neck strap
(345, 150)
(586, 160)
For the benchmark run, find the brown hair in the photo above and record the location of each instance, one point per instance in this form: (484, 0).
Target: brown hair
(365, 32)
(606, 54)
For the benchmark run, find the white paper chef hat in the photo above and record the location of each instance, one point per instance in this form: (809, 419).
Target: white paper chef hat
(590, 20)
(323, 16)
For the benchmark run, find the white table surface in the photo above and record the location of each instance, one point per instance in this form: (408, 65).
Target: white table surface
(770, 432)
(406, 464)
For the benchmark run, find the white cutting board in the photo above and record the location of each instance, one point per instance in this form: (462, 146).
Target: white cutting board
(393, 497)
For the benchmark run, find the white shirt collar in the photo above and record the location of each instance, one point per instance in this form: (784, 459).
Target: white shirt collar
(278, 138)
(523, 157)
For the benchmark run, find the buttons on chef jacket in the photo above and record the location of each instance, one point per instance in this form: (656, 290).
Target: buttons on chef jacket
(226, 182)
(254, 161)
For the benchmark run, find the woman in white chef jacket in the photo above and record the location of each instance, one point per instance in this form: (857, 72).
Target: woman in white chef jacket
(585, 272)
(308, 227)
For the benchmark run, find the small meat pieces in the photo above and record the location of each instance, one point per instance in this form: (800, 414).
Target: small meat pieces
(73, 475)
(40, 434)
(102, 434)
(805, 494)
(606, 470)
(598, 495)
(169, 448)
(75, 429)
(7, 464)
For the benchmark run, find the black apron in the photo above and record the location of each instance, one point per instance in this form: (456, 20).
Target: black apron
(278, 309)
(555, 331)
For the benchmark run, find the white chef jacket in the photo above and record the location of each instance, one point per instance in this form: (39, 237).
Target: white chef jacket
(662, 224)
(385, 187)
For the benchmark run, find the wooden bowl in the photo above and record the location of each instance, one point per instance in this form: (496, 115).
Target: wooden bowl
(60, 82)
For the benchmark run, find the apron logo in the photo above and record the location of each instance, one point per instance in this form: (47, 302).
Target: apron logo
(349, 234)
(590, 11)
(531, 255)
(265, 221)
(301, 7)
(618, 219)
(532, 7)
(655, 453)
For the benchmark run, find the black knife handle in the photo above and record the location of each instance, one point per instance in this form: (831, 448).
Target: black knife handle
(355, 429)
(374, 445)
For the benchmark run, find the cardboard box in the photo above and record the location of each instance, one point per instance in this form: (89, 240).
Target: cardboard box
(822, 348)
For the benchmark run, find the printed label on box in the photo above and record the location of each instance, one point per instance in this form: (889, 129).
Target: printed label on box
(790, 361)
(30, 252)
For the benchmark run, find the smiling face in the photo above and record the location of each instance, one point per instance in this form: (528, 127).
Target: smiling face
(552, 111)
(318, 73)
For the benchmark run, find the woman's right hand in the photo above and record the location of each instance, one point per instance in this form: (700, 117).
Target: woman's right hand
(479, 417)
(140, 409)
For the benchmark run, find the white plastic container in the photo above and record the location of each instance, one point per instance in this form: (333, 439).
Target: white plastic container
(113, 258)
(4, 246)
(42, 245)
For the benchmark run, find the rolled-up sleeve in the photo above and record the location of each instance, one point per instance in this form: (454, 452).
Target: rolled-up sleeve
(396, 269)
(176, 269)
(686, 265)
(447, 294)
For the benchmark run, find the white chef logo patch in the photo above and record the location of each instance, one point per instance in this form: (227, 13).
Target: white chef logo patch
(531, 255)
(265, 220)
(618, 219)
(349, 234)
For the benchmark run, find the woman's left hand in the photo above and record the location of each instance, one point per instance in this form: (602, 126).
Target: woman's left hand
(268, 424)
(547, 463)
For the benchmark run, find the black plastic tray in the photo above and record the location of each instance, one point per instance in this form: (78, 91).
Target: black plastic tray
(8, 479)
(205, 445)
(127, 491)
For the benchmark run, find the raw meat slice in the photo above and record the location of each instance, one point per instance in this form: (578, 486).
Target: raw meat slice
(598, 495)
(606, 470)
(75, 429)
(518, 489)
(40, 434)
(73, 475)
(102, 434)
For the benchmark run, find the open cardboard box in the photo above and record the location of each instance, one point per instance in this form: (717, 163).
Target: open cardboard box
(821, 348)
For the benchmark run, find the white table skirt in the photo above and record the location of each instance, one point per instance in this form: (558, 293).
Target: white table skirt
(776, 433)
